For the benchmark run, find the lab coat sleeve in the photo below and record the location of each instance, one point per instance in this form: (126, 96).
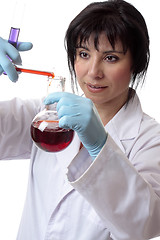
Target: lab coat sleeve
(16, 116)
(125, 199)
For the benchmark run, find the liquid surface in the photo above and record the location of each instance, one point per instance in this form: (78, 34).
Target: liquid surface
(49, 139)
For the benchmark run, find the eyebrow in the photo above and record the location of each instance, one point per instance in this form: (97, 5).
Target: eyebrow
(109, 51)
(82, 47)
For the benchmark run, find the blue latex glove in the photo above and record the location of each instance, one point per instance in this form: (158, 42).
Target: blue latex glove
(13, 53)
(79, 113)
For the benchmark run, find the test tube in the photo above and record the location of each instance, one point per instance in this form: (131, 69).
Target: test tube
(32, 71)
(13, 36)
(16, 22)
(13, 39)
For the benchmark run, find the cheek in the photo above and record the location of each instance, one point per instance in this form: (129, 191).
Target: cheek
(78, 69)
(122, 76)
(81, 67)
(79, 73)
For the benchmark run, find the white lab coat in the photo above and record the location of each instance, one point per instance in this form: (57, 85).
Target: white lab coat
(71, 197)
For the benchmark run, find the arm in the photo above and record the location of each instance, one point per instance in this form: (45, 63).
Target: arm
(121, 192)
(126, 196)
(15, 120)
(15, 115)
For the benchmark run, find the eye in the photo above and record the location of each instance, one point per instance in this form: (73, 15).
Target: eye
(84, 55)
(111, 58)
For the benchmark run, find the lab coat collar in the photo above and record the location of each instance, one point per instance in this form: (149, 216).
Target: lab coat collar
(125, 124)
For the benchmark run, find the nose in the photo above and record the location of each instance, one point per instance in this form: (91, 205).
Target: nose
(95, 69)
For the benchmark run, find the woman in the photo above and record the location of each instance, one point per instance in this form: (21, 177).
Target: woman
(112, 188)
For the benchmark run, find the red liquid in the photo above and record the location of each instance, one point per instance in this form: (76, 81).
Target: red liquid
(49, 74)
(51, 140)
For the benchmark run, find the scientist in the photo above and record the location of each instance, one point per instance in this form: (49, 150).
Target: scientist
(106, 184)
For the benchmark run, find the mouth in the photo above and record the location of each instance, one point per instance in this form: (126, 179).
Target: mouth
(95, 88)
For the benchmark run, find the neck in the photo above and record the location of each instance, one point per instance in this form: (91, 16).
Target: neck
(108, 110)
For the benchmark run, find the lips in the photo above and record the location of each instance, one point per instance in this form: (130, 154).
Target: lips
(95, 88)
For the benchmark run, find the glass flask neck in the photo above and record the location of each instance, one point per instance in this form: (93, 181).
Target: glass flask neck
(56, 84)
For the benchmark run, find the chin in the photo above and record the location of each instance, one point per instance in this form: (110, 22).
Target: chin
(96, 100)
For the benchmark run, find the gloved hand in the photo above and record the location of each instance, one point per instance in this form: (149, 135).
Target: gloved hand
(79, 113)
(12, 52)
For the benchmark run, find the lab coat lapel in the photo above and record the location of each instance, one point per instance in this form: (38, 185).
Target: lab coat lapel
(125, 125)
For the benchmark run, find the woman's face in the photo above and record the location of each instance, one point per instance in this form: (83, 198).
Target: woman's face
(104, 74)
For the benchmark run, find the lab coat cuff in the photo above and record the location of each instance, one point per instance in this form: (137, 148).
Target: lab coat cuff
(82, 165)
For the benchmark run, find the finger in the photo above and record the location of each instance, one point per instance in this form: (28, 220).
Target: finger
(11, 73)
(72, 111)
(24, 46)
(70, 122)
(13, 54)
(67, 101)
(53, 97)
(8, 68)
(1, 70)
(67, 123)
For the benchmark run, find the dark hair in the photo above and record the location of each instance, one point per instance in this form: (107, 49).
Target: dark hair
(120, 21)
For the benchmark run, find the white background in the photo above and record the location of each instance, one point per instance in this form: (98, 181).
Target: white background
(44, 24)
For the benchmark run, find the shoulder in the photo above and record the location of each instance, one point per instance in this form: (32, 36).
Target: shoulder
(134, 130)
(149, 127)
